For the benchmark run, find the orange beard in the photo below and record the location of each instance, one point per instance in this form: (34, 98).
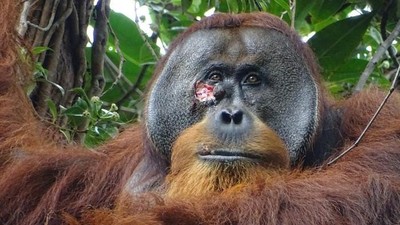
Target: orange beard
(192, 176)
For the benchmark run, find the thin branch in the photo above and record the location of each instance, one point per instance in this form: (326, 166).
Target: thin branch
(45, 13)
(135, 86)
(258, 5)
(98, 48)
(121, 60)
(51, 62)
(145, 40)
(293, 12)
(60, 22)
(136, 12)
(391, 90)
(119, 51)
(51, 20)
(385, 18)
(115, 70)
(23, 20)
(375, 59)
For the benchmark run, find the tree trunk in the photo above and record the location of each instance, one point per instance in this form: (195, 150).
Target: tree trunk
(60, 28)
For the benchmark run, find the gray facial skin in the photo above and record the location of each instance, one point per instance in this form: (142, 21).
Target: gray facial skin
(285, 98)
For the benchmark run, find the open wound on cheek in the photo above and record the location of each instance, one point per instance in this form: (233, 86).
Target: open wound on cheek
(204, 92)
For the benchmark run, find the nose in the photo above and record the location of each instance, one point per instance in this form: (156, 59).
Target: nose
(231, 124)
(228, 116)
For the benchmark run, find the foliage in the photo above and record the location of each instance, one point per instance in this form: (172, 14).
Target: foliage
(344, 34)
(102, 122)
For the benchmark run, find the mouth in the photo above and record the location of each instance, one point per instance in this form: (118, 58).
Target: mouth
(226, 155)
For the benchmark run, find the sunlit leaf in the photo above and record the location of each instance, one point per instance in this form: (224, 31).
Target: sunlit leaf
(131, 40)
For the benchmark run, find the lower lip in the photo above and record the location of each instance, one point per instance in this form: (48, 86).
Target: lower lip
(229, 156)
(223, 158)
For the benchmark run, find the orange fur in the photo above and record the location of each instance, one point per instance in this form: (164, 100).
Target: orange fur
(191, 176)
(43, 181)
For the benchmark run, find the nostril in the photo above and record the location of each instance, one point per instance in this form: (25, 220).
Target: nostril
(237, 117)
(226, 117)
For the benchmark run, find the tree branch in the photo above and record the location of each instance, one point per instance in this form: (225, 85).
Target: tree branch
(293, 12)
(135, 86)
(377, 56)
(385, 18)
(50, 22)
(116, 73)
(23, 20)
(98, 48)
(121, 60)
(100, 36)
(60, 22)
(51, 61)
(391, 90)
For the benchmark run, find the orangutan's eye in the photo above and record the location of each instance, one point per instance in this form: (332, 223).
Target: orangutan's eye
(215, 76)
(252, 78)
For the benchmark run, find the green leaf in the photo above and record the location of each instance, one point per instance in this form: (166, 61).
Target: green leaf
(96, 135)
(130, 39)
(82, 94)
(77, 109)
(377, 4)
(95, 106)
(351, 69)
(233, 6)
(284, 4)
(76, 113)
(53, 109)
(221, 6)
(347, 75)
(40, 71)
(336, 42)
(39, 49)
(302, 10)
(185, 4)
(325, 8)
(195, 7)
(375, 34)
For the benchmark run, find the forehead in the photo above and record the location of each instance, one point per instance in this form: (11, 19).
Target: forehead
(234, 43)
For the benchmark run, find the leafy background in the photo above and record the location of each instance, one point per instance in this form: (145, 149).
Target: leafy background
(344, 35)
